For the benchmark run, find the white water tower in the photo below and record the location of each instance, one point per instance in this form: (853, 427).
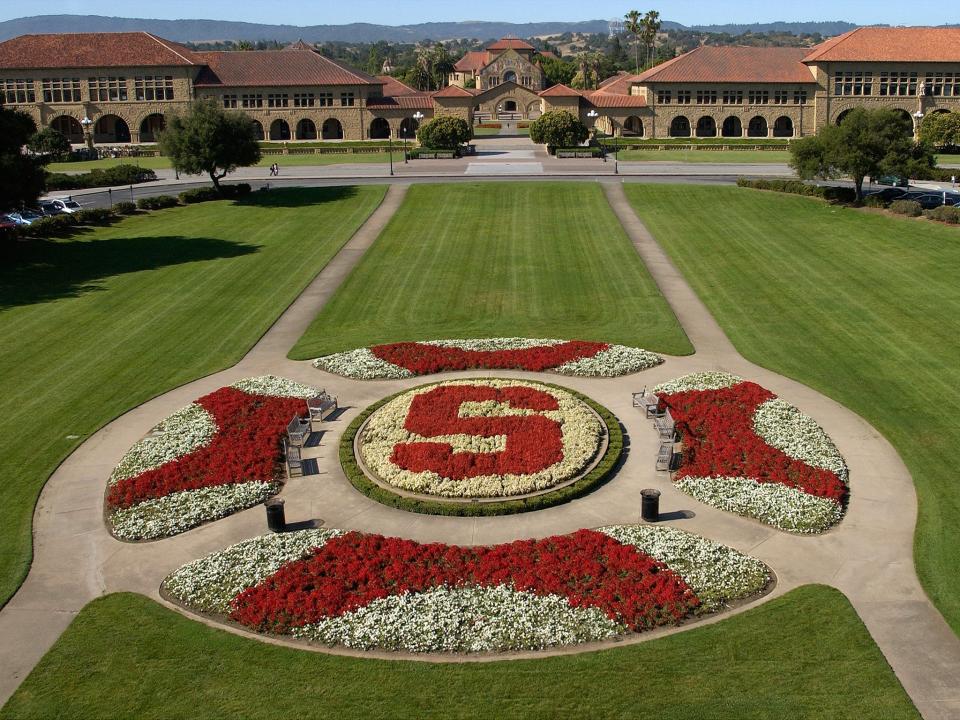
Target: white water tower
(616, 27)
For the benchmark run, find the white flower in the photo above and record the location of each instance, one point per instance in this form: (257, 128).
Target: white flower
(615, 361)
(698, 381)
(209, 584)
(273, 386)
(464, 619)
(180, 511)
(784, 427)
(581, 429)
(716, 573)
(783, 507)
(361, 364)
(183, 432)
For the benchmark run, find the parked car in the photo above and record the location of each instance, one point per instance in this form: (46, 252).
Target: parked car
(889, 194)
(23, 217)
(894, 180)
(931, 200)
(62, 205)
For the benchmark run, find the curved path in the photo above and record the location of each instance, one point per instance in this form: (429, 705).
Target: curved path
(869, 556)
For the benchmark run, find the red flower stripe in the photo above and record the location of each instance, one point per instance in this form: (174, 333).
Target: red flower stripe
(589, 568)
(424, 358)
(534, 442)
(245, 448)
(720, 441)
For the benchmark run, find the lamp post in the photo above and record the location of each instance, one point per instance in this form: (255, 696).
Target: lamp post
(917, 119)
(417, 117)
(390, 149)
(88, 136)
(593, 115)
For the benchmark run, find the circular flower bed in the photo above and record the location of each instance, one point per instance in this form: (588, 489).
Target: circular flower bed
(480, 439)
(216, 456)
(372, 592)
(409, 359)
(749, 452)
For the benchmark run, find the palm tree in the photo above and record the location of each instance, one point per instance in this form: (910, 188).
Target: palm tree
(596, 61)
(651, 26)
(425, 65)
(633, 24)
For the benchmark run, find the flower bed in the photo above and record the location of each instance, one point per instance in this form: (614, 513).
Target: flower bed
(748, 452)
(216, 456)
(369, 591)
(409, 359)
(480, 439)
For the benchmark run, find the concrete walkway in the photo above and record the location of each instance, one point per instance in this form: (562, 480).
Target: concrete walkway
(869, 556)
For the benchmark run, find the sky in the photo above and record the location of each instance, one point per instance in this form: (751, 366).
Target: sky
(688, 12)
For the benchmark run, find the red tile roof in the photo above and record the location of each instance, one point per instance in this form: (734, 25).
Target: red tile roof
(601, 99)
(886, 44)
(709, 64)
(473, 60)
(619, 83)
(548, 54)
(276, 68)
(453, 91)
(93, 50)
(560, 90)
(509, 43)
(394, 88)
(399, 95)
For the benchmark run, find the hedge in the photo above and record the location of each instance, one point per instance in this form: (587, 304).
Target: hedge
(796, 187)
(592, 480)
(50, 226)
(157, 202)
(945, 214)
(906, 207)
(125, 208)
(206, 194)
(94, 216)
(100, 177)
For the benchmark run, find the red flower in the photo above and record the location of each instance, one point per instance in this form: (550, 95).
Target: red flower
(589, 568)
(245, 448)
(720, 441)
(424, 358)
(534, 442)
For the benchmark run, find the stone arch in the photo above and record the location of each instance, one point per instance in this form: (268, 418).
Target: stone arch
(842, 116)
(331, 130)
(732, 127)
(306, 130)
(509, 106)
(111, 129)
(69, 127)
(380, 129)
(680, 126)
(706, 127)
(908, 121)
(757, 127)
(783, 127)
(279, 130)
(633, 125)
(257, 129)
(409, 127)
(510, 76)
(534, 110)
(151, 126)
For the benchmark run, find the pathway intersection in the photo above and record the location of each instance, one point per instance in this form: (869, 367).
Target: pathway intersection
(869, 556)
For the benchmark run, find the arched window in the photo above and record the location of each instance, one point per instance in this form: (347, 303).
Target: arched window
(69, 127)
(279, 130)
(680, 127)
(332, 129)
(783, 127)
(306, 130)
(510, 76)
(111, 129)
(633, 126)
(757, 127)
(732, 127)
(151, 126)
(379, 129)
(706, 127)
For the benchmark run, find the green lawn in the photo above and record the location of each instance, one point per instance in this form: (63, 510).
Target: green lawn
(706, 156)
(160, 163)
(803, 656)
(93, 326)
(498, 259)
(863, 307)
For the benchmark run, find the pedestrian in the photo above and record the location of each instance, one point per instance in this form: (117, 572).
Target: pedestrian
(276, 168)
(953, 181)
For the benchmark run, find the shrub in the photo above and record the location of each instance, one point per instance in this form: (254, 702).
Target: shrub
(797, 187)
(945, 214)
(906, 207)
(558, 128)
(49, 226)
(157, 202)
(446, 132)
(206, 194)
(874, 201)
(94, 216)
(124, 208)
(101, 177)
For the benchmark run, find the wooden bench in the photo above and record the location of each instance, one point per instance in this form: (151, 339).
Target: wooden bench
(648, 402)
(292, 459)
(298, 430)
(666, 427)
(321, 407)
(665, 456)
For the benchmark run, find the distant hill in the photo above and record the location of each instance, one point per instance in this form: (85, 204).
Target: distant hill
(213, 30)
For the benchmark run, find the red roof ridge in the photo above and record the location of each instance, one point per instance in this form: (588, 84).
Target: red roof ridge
(560, 90)
(172, 47)
(453, 91)
(829, 44)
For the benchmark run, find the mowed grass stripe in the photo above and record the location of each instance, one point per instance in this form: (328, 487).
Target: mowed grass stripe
(864, 307)
(498, 259)
(92, 326)
(803, 656)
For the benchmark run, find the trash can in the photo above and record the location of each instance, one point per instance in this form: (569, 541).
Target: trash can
(276, 520)
(650, 505)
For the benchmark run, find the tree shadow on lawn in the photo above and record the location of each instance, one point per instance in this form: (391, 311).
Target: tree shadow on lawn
(43, 270)
(289, 197)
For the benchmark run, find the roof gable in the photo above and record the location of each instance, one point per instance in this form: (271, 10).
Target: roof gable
(94, 50)
(473, 60)
(886, 44)
(453, 91)
(560, 90)
(509, 43)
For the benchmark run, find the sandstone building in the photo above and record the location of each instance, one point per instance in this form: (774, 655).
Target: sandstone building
(120, 87)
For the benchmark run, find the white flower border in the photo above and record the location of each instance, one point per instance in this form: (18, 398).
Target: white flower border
(274, 386)
(784, 427)
(783, 507)
(467, 619)
(582, 437)
(615, 361)
(698, 381)
(182, 511)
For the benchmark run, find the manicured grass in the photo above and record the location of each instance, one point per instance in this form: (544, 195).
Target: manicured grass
(483, 132)
(93, 326)
(706, 156)
(806, 655)
(863, 307)
(481, 260)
